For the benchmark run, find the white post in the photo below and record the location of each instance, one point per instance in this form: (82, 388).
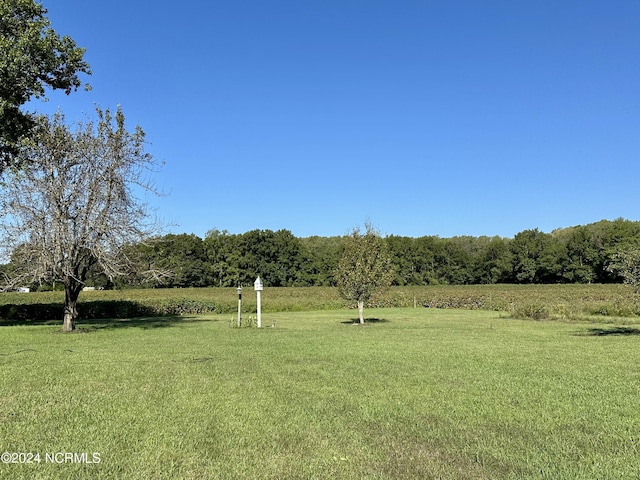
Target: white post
(259, 308)
(257, 286)
(239, 306)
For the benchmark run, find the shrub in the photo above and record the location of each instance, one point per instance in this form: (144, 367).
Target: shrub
(531, 311)
(31, 311)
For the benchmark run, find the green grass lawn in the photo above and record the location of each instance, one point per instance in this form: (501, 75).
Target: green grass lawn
(415, 393)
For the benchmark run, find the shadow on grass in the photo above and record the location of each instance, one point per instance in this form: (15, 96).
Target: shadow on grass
(603, 332)
(145, 323)
(366, 321)
(93, 315)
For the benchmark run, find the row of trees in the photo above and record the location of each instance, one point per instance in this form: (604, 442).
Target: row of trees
(581, 254)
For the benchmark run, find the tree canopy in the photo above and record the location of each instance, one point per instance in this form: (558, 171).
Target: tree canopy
(34, 57)
(626, 262)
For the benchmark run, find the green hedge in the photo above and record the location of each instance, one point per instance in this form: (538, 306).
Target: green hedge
(100, 309)
(25, 312)
(573, 302)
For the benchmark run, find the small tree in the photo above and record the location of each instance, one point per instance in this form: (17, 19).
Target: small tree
(365, 268)
(75, 207)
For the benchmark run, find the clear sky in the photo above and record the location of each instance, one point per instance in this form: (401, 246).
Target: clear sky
(424, 117)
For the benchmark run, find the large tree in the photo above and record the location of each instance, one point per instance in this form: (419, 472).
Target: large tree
(78, 204)
(34, 57)
(365, 268)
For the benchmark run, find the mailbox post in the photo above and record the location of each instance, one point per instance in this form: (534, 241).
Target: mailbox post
(257, 286)
(239, 306)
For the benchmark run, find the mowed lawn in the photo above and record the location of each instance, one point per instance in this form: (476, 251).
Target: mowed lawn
(416, 393)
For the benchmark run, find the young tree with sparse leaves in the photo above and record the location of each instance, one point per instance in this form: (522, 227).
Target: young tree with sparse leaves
(365, 268)
(76, 206)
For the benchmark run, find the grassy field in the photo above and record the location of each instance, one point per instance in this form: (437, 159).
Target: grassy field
(602, 303)
(416, 393)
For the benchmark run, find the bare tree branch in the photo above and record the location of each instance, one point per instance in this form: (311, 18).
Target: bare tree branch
(76, 206)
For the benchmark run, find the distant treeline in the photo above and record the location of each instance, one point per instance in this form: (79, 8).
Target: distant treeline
(580, 254)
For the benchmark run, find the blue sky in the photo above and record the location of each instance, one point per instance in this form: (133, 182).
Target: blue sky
(424, 117)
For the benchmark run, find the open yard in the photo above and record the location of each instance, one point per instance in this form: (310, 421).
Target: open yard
(416, 393)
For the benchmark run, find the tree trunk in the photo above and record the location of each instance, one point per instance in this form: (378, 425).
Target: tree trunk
(71, 292)
(361, 311)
